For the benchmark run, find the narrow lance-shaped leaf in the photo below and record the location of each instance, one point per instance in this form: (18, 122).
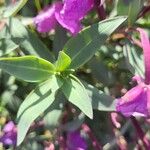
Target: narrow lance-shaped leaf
(7, 46)
(74, 124)
(100, 101)
(35, 104)
(28, 42)
(27, 68)
(14, 7)
(60, 38)
(77, 95)
(134, 59)
(131, 8)
(82, 47)
(101, 72)
(63, 61)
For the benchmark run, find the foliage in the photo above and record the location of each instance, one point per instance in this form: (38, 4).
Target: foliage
(55, 84)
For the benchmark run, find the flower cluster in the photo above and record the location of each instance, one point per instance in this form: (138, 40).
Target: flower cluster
(68, 14)
(9, 134)
(136, 102)
(75, 141)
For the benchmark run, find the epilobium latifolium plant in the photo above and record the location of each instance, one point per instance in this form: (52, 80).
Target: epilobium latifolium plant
(66, 69)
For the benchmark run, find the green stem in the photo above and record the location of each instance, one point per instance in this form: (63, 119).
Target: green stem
(38, 5)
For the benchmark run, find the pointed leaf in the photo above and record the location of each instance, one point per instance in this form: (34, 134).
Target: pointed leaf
(14, 7)
(100, 101)
(35, 104)
(131, 8)
(28, 42)
(7, 46)
(82, 47)
(28, 68)
(77, 95)
(74, 124)
(134, 59)
(63, 61)
(60, 38)
(101, 72)
(53, 114)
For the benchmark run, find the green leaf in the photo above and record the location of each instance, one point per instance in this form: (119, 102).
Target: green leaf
(134, 59)
(82, 47)
(53, 114)
(52, 118)
(35, 104)
(130, 8)
(63, 61)
(13, 8)
(7, 46)
(74, 124)
(77, 95)
(60, 38)
(27, 68)
(28, 42)
(100, 101)
(101, 72)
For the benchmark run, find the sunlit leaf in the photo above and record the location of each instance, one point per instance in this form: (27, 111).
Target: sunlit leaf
(35, 104)
(28, 68)
(100, 101)
(82, 47)
(62, 62)
(14, 7)
(77, 95)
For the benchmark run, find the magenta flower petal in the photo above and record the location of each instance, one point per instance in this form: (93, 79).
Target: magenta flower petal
(115, 120)
(102, 2)
(73, 26)
(134, 102)
(146, 50)
(9, 135)
(148, 100)
(9, 138)
(76, 9)
(9, 126)
(75, 141)
(72, 12)
(46, 21)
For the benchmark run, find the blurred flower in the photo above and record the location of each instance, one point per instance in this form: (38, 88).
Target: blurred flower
(9, 135)
(50, 147)
(46, 20)
(136, 102)
(68, 14)
(72, 12)
(75, 141)
(115, 120)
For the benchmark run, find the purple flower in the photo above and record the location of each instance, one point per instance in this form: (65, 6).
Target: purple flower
(72, 12)
(75, 141)
(68, 14)
(9, 135)
(136, 102)
(46, 20)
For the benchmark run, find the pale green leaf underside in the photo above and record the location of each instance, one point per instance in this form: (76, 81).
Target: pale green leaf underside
(63, 61)
(13, 8)
(27, 68)
(77, 95)
(27, 41)
(82, 47)
(100, 101)
(35, 104)
(7, 46)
